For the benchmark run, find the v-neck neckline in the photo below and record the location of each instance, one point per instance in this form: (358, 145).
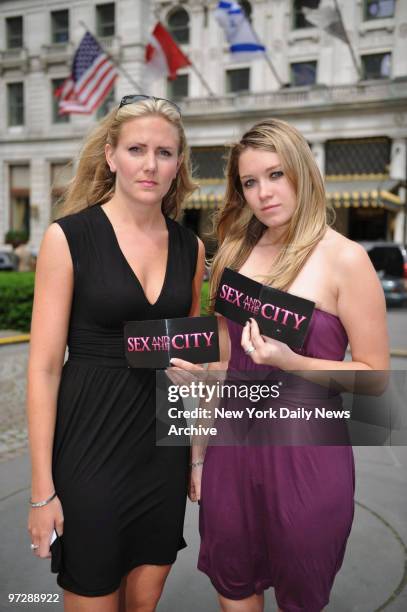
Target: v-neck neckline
(125, 260)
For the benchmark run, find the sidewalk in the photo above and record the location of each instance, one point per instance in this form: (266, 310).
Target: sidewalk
(374, 573)
(372, 578)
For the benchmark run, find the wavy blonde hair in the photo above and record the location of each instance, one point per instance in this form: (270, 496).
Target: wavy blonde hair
(94, 183)
(238, 230)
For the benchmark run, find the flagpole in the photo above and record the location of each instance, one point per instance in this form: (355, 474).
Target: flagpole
(112, 59)
(352, 52)
(273, 70)
(267, 57)
(200, 77)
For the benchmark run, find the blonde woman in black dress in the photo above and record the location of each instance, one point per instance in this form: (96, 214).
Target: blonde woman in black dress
(116, 500)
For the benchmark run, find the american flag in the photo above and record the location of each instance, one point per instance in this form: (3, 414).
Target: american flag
(92, 77)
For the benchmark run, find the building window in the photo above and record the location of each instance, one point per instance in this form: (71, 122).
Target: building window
(14, 30)
(247, 9)
(15, 98)
(379, 9)
(105, 19)
(106, 105)
(178, 25)
(376, 66)
(19, 178)
(208, 162)
(60, 173)
(178, 88)
(60, 26)
(303, 73)
(237, 80)
(367, 223)
(357, 156)
(299, 20)
(56, 117)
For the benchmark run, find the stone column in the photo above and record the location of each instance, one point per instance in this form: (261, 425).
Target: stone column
(318, 149)
(39, 200)
(398, 165)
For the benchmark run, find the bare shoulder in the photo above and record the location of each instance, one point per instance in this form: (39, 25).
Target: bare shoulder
(345, 254)
(54, 251)
(54, 234)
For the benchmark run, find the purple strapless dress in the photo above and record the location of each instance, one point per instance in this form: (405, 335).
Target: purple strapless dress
(278, 515)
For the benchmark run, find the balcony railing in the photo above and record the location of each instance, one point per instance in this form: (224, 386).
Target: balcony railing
(111, 44)
(298, 97)
(12, 59)
(56, 53)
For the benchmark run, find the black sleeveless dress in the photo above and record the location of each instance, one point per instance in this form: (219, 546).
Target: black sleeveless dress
(123, 497)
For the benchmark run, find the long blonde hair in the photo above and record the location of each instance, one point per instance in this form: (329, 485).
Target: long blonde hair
(238, 230)
(94, 183)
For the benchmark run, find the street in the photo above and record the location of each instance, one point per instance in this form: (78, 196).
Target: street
(374, 573)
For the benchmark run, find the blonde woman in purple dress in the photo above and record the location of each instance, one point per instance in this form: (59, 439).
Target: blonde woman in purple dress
(280, 515)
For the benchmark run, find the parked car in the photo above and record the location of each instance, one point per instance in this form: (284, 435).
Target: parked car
(390, 262)
(7, 261)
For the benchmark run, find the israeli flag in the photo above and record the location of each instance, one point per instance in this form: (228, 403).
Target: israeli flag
(243, 42)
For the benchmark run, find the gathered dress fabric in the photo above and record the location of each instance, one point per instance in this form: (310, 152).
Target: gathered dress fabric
(123, 497)
(278, 515)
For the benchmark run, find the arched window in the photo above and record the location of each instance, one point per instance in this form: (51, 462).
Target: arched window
(247, 8)
(178, 25)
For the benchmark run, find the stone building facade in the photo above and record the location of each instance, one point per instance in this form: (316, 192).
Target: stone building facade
(355, 123)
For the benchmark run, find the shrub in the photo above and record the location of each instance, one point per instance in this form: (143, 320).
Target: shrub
(204, 298)
(16, 237)
(16, 298)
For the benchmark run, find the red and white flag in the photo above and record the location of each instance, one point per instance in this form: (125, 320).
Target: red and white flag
(92, 77)
(163, 57)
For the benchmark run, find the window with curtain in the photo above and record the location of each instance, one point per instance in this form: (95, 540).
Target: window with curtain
(237, 79)
(105, 19)
(56, 117)
(379, 9)
(178, 88)
(376, 66)
(208, 162)
(106, 105)
(60, 26)
(14, 32)
(303, 73)
(19, 181)
(299, 20)
(178, 25)
(15, 104)
(247, 9)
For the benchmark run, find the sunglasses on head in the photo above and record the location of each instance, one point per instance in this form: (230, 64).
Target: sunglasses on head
(132, 98)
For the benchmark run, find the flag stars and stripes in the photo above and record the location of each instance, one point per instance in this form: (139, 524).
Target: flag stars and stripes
(92, 77)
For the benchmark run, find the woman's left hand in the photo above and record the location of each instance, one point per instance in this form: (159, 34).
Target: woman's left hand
(183, 372)
(266, 351)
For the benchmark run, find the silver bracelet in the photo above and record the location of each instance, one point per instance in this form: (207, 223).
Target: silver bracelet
(196, 463)
(40, 504)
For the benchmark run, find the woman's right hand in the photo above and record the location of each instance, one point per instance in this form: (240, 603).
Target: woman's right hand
(194, 487)
(41, 523)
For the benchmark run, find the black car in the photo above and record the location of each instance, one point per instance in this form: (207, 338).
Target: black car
(7, 261)
(390, 262)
